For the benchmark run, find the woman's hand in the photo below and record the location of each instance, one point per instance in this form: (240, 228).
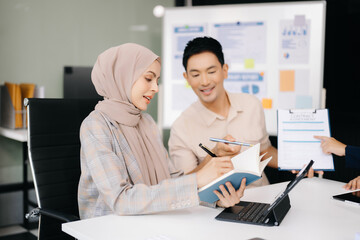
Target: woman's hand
(225, 149)
(230, 197)
(353, 184)
(215, 168)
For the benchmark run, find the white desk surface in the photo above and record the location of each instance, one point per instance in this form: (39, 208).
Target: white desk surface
(313, 215)
(15, 134)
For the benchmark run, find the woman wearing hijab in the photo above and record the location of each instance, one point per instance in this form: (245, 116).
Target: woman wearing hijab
(125, 168)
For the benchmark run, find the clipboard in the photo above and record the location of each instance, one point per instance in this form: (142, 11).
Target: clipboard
(296, 142)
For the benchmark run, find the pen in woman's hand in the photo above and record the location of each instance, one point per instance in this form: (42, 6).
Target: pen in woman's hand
(207, 150)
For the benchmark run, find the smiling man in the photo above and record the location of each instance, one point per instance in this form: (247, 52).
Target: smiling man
(217, 113)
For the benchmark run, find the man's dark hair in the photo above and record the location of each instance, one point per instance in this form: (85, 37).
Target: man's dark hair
(200, 45)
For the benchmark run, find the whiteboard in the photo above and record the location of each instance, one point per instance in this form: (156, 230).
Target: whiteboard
(274, 51)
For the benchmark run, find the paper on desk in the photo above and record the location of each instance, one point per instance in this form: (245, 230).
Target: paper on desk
(296, 142)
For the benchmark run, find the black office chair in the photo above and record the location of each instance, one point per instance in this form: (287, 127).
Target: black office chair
(54, 154)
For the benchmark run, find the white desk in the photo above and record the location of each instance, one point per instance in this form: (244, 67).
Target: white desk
(313, 215)
(15, 134)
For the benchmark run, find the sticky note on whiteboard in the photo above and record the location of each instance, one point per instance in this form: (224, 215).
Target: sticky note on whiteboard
(287, 80)
(267, 103)
(303, 101)
(299, 20)
(249, 63)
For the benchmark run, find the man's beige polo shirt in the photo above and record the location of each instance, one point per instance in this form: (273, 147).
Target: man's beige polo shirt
(245, 122)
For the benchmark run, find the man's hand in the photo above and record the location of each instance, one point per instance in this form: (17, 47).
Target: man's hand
(231, 197)
(225, 149)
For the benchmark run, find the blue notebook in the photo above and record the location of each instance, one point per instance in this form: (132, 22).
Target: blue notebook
(247, 165)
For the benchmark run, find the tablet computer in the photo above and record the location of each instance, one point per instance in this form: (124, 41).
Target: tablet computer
(351, 197)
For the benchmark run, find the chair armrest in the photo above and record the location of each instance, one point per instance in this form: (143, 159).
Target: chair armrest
(64, 217)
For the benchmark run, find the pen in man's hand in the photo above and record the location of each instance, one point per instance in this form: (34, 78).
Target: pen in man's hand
(229, 142)
(207, 150)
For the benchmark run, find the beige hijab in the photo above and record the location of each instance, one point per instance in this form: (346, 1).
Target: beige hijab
(113, 75)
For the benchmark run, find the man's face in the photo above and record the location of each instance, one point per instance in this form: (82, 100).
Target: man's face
(206, 77)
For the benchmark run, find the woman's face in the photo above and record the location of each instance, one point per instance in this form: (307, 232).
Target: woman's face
(146, 86)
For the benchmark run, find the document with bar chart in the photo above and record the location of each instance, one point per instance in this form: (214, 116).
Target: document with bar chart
(296, 142)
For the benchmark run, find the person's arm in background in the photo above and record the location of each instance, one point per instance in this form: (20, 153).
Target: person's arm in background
(352, 156)
(330, 145)
(180, 152)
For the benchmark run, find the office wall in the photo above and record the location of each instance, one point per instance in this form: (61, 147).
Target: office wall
(40, 37)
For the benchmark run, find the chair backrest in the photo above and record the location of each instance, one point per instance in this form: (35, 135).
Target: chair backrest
(54, 154)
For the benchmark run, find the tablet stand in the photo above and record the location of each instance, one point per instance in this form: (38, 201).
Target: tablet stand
(278, 213)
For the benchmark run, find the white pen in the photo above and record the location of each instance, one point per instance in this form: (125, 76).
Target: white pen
(226, 141)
